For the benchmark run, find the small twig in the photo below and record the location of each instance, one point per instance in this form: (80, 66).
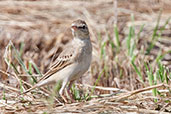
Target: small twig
(9, 87)
(5, 104)
(161, 91)
(25, 75)
(126, 95)
(24, 82)
(103, 88)
(146, 111)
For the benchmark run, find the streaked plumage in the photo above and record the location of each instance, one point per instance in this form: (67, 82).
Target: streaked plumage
(73, 61)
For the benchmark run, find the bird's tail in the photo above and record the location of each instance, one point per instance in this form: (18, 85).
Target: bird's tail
(39, 84)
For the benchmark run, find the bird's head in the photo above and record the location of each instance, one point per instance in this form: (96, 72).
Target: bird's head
(80, 29)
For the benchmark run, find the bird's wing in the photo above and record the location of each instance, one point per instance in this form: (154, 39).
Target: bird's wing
(66, 58)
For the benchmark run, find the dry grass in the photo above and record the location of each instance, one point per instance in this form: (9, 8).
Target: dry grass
(122, 74)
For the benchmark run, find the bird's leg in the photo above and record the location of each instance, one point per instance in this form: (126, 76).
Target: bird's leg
(69, 93)
(64, 83)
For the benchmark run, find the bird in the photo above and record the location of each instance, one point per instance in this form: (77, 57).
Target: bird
(72, 62)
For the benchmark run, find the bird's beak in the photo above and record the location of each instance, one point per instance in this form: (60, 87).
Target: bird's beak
(74, 27)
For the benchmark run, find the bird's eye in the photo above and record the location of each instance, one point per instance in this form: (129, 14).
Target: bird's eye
(84, 27)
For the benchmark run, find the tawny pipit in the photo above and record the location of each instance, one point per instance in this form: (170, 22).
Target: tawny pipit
(73, 61)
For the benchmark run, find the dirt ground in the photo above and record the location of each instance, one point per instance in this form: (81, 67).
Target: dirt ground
(117, 81)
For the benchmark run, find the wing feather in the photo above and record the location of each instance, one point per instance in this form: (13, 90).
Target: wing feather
(63, 60)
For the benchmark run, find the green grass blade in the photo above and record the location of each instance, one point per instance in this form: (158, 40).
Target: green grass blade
(117, 37)
(103, 52)
(76, 93)
(154, 36)
(129, 39)
(30, 68)
(164, 27)
(21, 48)
(97, 81)
(36, 68)
(21, 87)
(4, 97)
(18, 58)
(141, 29)
(111, 43)
(151, 80)
(137, 71)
